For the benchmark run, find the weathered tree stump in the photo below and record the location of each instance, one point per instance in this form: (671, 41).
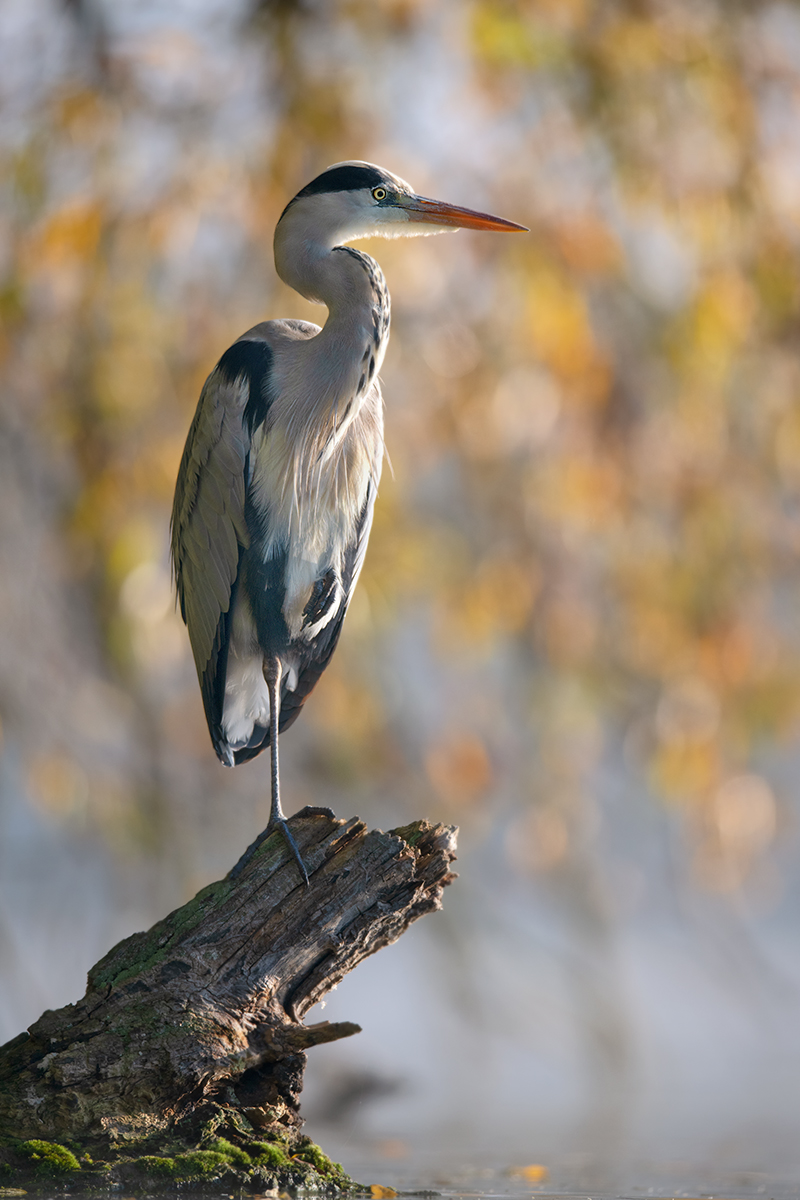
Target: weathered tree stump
(185, 1058)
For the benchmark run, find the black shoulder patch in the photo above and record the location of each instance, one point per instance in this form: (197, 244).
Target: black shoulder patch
(344, 179)
(253, 360)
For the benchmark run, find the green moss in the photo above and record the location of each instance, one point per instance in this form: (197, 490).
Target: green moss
(230, 1153)
(323, 1165)
(199, 1164)
(154, 1164)
(412, 833)
(142, 951)
(50, 1158)
(290, 1162)
(312, 1154)
(268, 1155)
(194, 1164)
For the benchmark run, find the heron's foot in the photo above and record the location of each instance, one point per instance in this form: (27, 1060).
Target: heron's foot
(287, 833)
(275, 823)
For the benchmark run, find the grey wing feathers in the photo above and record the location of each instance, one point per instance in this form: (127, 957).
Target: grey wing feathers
(321, 652)
(208, 524)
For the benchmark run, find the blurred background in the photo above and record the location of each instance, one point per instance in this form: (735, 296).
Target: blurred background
(576, 634)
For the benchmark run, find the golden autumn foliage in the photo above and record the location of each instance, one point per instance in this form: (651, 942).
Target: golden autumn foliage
(595, 430)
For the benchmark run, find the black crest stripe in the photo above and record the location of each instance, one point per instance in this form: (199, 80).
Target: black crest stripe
(344, 179)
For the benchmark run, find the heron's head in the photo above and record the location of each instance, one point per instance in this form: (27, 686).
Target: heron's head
(357, 199)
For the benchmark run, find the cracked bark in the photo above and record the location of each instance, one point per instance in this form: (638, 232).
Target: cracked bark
(205, 1009)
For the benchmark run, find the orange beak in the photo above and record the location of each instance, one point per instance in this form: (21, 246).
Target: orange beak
(436, 212)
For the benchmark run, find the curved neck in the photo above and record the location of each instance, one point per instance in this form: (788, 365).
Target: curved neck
(315, 268)
(343, 359)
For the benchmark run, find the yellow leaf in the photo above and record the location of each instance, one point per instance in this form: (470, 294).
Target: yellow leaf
(379, 1192)
(533, 1173)
(72, 232)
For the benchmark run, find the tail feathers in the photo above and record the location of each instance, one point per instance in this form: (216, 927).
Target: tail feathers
(239, 720)
(230, 755)
(233, 755)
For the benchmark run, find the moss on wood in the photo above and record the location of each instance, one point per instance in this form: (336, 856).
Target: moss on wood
(183, 1063)
(36, 1166)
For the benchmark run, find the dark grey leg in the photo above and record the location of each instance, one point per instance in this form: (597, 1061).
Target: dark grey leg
(273, 671)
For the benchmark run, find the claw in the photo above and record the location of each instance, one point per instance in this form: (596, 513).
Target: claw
(280, 824)
(287, 833)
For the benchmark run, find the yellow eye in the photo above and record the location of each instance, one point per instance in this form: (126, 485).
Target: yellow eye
(379, 193)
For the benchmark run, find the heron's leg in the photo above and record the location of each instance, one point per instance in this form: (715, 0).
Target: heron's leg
(273, 673)
(273, 670)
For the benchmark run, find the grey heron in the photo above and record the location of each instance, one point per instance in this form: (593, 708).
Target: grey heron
(276, 487)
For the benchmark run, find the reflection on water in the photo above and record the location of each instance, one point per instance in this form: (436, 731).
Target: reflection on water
(566, 1181)
(676, 1182)
(459, 1175)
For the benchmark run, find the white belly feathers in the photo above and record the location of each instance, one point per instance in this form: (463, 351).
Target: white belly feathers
(312, 506)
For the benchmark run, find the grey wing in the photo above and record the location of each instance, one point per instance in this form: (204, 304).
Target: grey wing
(318, 653)
(208, 524)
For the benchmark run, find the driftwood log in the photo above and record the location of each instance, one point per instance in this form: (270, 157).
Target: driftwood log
(188, 1048)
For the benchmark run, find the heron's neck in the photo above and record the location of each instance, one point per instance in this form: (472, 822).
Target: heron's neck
(358, 303)
(344, 358)
(327, 380)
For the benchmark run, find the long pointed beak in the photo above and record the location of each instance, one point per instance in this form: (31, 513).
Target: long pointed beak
(436, 212)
